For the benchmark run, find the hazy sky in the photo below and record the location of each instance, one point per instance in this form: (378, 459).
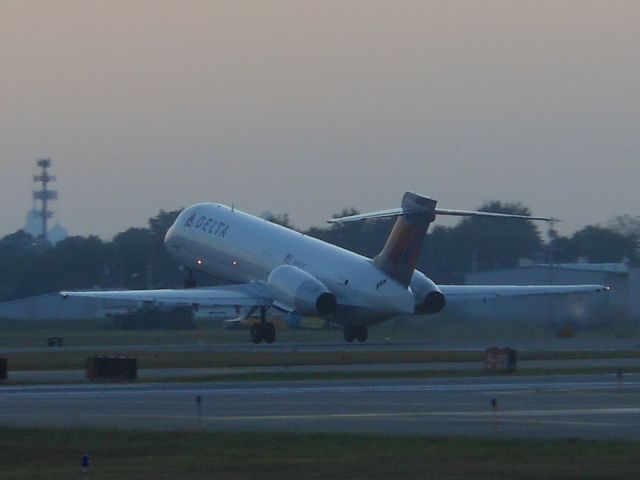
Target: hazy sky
(307, 107)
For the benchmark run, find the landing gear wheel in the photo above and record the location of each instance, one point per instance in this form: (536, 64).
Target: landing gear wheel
(256, 333)
(349, 335)
(269, 332)
(362, 334)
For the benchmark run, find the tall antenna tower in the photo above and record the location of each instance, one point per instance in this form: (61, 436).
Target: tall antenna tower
(44, 194)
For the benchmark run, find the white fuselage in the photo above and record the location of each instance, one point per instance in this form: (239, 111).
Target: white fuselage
(239, 247)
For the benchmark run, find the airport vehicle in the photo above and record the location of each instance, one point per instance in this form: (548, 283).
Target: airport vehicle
(276, 267)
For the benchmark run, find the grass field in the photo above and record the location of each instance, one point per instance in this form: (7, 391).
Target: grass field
(55, 454)
(32, 333)
(74, 360)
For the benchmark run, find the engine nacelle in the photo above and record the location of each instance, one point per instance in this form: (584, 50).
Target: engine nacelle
(429, 298)
(299, 291)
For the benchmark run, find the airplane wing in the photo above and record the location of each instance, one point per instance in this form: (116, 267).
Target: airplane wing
(474, 292)
(247, 294)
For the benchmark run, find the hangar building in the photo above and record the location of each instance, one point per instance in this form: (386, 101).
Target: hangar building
(624, 280)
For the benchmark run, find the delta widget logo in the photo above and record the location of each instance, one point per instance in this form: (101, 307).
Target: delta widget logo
(190, 220)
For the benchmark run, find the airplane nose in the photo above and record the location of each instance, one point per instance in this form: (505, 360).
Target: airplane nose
(169, 235)
(172, 240)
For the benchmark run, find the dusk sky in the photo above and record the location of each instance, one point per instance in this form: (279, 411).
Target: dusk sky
(308, 107)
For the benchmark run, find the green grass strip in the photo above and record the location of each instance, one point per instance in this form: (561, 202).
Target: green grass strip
(53, 453)
(73, 360)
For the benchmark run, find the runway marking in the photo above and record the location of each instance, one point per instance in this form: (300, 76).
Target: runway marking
(333, 416)
(510, 415)
(178, 390)
(491, 419)
(515, 413)
(575, 423)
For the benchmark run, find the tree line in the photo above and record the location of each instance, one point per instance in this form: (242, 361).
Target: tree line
(136, 258)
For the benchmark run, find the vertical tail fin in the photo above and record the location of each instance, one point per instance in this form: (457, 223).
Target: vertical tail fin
(401, 253)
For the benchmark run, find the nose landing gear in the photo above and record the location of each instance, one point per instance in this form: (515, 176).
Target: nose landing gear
(190, 281)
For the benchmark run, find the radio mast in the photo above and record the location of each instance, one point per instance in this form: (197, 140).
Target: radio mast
(44, 194)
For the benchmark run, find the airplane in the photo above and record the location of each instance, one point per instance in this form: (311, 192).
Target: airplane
(271, 266)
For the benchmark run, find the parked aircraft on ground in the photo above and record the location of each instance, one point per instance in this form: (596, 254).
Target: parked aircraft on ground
(276, 267)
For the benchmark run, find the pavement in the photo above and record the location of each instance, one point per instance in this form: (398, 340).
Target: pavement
(559, 406)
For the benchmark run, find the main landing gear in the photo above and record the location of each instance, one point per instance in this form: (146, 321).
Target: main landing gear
(352, 333)
(264, 330)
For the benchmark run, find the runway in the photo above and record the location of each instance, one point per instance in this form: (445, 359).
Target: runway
(585, 406)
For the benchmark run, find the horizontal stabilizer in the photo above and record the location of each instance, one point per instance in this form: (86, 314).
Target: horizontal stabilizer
(396, 212)
(393, 212)
(471, 213)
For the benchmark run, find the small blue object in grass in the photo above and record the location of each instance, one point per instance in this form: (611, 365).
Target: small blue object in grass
(86, 463)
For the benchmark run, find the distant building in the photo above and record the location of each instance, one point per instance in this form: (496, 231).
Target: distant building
(52, 306)
(623, 299)
(57, 233)
(33, 226)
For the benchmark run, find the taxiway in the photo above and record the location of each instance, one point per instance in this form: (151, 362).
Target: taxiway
(581, 406)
